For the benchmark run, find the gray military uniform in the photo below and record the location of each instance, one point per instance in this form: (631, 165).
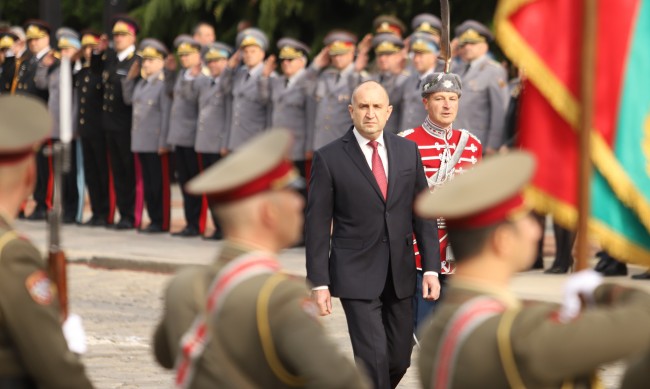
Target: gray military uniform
(412, 112)
(49, 78)
(294, 108)
(214, 115)
(185, 111)
(333, 93)
(249, 110)
(151, 108)
(482, 108)
(393, 83)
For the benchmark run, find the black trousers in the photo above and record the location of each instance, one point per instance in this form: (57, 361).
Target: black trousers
(187, 167)
(97, 177)
(155, 179)
(381, 332)
(123, 171)
(206, 160)
(563, 246)
(44, 189)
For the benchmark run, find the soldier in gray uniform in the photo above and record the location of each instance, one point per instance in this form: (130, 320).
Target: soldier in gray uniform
(485, 87)
(388, 58)
(425, 51)
(389, 24)
(249, 110)
(182, 131)
(335, 86)
(151, 107)
(427, 23)
(214, 113)
(48, 74)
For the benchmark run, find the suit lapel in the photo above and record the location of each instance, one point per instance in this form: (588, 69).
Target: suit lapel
(392, 165)
(352, 148)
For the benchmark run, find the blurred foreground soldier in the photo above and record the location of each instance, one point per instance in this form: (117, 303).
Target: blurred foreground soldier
(33, 349)
(485, 86)
(388, 55)
(145, 89)
(445, 153)
(182, 131)
(388, 24)
(114, 65)
(214, 114)
(482, 328)
(241, 322)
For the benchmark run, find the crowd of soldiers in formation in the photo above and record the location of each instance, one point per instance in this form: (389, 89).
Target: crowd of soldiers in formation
(139, 118)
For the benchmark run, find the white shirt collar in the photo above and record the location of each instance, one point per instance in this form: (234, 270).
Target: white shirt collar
(363, 142)
(41, 53)
(125, 53)
(296, 76)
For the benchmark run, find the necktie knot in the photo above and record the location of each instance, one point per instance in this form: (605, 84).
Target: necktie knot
(374, 144)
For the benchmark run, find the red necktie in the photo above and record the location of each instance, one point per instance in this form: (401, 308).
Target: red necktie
(378, 168)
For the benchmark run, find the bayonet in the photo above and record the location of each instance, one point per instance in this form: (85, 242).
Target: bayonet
(445, 45)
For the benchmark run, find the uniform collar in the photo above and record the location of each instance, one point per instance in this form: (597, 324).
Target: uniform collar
(42, 53)
(478, 60)
(436, 131)
(125, 53)
(427, 73)
(256, 70)
(477, 286)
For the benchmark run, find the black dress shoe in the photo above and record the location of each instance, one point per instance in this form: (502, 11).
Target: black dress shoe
(21, 215)
(96, 222)
(69, 219)
(615, 268)
(152, 229)
(557, 270)
(217, 235)
(124, 225)
(38, 214)
(603, 262)
(642, 276)
(187, 232)
(538, 265)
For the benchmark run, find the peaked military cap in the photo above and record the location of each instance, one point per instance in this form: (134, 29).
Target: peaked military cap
(125, 25)
(388, 24)
(291, 49)
(216, 50)
(471, 31)
(67, 38)
(19, 32)
(441, 82)
(7, 39)
(89, 38)
(422, 42)
(485, 195)
(339, 42)
(428, 23)
(387, 43)
(261, 165)
(25, 123)
(151, 48)
(185, 45)
(252, 37)
(35, 29)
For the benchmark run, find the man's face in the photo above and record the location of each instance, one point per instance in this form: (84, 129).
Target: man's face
(289, 206)
(389, 62)
(152, 65)
(87, 51)
(123, 41)
(292, 66)
(205, 35)
(442, 108)
(471, 51)
(423, 62)
(190, 60)
(370, 110)
(38, 44)
(217, 66)
(342, 61)
(252, 56)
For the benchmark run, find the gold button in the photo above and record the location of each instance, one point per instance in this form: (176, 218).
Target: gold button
(84, 89)
(86, 78)
(110, 97)
(81, 121)
(104, 107)
(83, 100)
(82, 110)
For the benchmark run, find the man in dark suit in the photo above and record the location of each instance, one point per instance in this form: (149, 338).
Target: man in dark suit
(361, 196)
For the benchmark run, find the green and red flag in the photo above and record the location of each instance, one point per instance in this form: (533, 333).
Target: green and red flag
(544, 38)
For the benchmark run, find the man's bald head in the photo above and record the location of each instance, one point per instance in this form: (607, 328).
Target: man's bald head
(370, 109)
(369, 85)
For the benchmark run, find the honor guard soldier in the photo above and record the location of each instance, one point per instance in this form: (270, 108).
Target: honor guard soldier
(445, 153)
(182, 131)
(335, 86)
(292, 99)
(114, 64)
(145, 90)
(48, 76)
(89, 91)
(427, 23)
(13, 52)
(33, 348)
(214, 114)
(241, 322)
(250, 114)
(389, 24)
(485, 95)
(424, 50)
(483, 328)
(388, 58)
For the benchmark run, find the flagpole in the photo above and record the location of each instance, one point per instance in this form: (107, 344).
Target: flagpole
(587, 71)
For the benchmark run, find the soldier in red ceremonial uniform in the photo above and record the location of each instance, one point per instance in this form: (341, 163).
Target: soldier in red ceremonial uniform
(445, 152)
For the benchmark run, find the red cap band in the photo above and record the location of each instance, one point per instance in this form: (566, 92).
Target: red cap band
(498, 213)
(6, 159)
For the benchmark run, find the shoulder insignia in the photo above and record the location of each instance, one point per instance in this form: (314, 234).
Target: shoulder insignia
(406, 72)
(471, 135)
(40, 287)
(104, 57)
(406, 132)
(56, 54)
(309, 307)
(364, 74)
(205, 71)
(161, 76)
(130, 55)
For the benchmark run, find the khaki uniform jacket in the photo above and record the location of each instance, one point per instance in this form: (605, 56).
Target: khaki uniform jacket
(547, 352)
(234, 358)
(32, 346)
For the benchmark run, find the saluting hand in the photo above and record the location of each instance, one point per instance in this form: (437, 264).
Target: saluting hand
(323, 299)
(364, 46)
(430, 287)
(102, 44)
(134, 71)
(234, 60)
(269, 66)
(48, 59)
(322, 59)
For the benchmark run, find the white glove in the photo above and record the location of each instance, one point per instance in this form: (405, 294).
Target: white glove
(582, 283)
(74, 333)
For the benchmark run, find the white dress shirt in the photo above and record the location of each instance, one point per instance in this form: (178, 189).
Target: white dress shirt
(367, 149)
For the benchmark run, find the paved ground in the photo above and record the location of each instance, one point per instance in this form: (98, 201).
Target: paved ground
(120, 307)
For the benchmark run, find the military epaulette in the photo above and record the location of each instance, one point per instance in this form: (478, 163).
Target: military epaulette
(470, 134)
(406, 133)
(205, 71)
(161, 76)
(56, 54)
(130, 55)
(406, 73)
(364, 74)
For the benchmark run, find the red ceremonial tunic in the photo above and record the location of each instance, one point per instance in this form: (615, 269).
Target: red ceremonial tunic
(441, 162)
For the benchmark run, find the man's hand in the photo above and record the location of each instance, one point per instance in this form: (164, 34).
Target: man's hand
(323, 299)
(269, 66)
(322, 60)
(134, 71)
(163, 150)
(430, 287)
(234, 60)
(48, 59)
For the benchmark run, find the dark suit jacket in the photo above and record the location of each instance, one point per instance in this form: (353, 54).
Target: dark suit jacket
(368, 232)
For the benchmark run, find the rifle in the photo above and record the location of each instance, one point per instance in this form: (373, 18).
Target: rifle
(445, 46)
(61, 155)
